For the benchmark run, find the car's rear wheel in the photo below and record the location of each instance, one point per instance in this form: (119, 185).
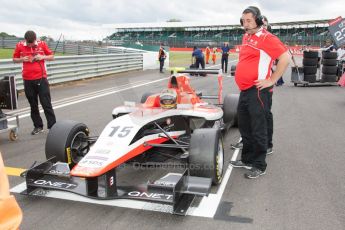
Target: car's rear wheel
(67, 142)
(206, 154)
(230, 109)
(145, 96)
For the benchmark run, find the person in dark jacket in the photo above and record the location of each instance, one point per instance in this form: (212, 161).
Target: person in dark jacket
(199, 58)
(225, 56)
(161, 58)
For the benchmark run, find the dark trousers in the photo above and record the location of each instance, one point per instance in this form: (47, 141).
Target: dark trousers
(35, 89)
(161, 64)
(198, 62)
(253, 110)
(280, 81)
(225, 63)
(270, 122)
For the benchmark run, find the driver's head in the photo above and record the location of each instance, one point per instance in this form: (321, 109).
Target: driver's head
(167, 99)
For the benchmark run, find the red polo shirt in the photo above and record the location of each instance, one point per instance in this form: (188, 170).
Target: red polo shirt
(32, 70)
(256, 57)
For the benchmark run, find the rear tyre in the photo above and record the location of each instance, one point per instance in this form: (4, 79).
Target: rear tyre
(206, 154)
(145, 96)
(67, 142)
(230, 109)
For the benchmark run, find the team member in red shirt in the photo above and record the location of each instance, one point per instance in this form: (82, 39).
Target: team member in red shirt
(254, 78)
(32, 54)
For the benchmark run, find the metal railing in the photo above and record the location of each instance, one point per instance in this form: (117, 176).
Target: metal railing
(70, 68)
(70, 48)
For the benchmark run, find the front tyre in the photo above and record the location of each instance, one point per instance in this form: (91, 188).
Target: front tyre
(67, 142)
(206, 154)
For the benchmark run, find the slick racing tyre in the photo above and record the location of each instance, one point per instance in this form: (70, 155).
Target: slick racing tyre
(329, 55)
(206, 154)
(311, 78)
(329, 62)
(67, 142)
(309, 70)
(230, 109)
(145, 96)
(310, 54)
(310, 61)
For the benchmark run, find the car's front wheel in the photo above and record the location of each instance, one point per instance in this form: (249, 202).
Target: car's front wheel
(67, 141)
(206, 154)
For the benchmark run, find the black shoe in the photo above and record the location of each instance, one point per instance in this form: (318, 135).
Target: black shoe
(37, 131)
(269, 151)
(254, 173)
(238, 145)
(240, 164)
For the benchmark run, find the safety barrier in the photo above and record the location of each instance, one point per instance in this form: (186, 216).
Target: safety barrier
(70, 68)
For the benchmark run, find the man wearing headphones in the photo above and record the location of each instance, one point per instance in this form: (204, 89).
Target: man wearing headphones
(254, 78)
(32, 54)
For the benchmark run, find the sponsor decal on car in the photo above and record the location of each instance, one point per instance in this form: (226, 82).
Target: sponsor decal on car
(55, 184)
(93, 157)
(150, 195)
(103, 151)
(69, 157)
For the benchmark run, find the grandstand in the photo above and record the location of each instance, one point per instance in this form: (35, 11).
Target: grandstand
(182, 34)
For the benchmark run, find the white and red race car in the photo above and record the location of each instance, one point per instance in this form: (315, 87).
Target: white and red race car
(191, 133)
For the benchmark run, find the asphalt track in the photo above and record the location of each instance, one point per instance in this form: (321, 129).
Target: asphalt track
(304, 187)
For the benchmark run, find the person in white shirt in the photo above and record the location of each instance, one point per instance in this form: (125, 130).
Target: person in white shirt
(341, 53)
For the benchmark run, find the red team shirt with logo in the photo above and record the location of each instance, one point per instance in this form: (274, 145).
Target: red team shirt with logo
(256, 57)
(32, 70)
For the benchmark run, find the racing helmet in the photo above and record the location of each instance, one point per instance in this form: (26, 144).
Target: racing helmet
(167, 99)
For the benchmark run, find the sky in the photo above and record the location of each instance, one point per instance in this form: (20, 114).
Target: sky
(87, 19)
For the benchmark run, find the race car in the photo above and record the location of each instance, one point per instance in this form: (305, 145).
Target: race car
(176, 123)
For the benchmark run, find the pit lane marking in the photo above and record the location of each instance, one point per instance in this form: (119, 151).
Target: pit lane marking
(208, 205)
(13, 171)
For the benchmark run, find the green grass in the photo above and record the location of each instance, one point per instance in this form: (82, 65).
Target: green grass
(182, 58)
(179, 58)
(7, 53)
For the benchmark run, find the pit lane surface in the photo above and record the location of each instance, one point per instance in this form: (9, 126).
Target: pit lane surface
(304, 186)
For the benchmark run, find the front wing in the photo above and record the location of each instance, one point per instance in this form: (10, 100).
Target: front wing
(178, 190)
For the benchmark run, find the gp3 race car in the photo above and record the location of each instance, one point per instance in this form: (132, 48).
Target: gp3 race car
(192, 132)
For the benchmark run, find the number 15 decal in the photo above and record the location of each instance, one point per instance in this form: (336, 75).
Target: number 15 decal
(123, 133)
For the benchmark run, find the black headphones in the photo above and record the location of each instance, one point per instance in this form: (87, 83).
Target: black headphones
(257, 14)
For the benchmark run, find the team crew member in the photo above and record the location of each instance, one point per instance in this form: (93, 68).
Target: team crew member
(225, 57)
(254, 78)
(199, 57)
(267, 26)
(161, 58)
(207, 52)
(32, 54)
(214, 55)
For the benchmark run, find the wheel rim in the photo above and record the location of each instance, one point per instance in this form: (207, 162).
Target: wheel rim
(79, 146)
(220, 159)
